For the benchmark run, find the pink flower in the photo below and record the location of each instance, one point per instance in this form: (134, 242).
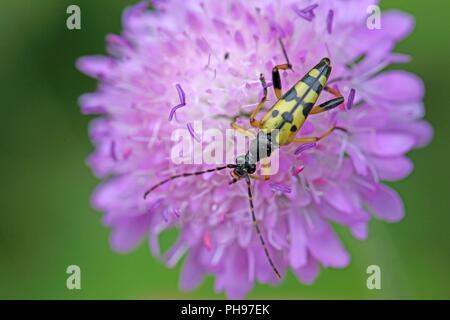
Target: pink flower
(205, 57)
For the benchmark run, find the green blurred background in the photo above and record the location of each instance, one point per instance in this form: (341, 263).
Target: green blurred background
(46, 222)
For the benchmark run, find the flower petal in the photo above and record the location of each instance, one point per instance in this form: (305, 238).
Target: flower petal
(396, 86)
(360, 230)
(297, 248)
(192, 273)
(336, 197)
(420, 130)
(324, 245)
(234, 279)
(385, 144)
(308, 272)
(385, 204)
(392, 168)
(396, 24)
(98, 67)
(129, 232)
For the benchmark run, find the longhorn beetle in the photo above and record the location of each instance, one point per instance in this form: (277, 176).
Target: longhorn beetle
(278, 127)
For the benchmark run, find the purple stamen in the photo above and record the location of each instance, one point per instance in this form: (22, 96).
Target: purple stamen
(180, 93)
(310, 8)
(279, 187)
(304, 147)
(350, 99)
(306, 13)
(112, 150)
(182, 98)
(127, 153)
(164, 215)
(330, 21)
(207, 240)
(155, 204)
(176, 212)
(192, 132)
(297, 171)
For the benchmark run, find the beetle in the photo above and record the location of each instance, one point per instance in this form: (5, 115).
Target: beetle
(278, 127)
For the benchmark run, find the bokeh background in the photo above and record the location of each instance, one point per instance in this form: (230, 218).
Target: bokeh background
(46, 222)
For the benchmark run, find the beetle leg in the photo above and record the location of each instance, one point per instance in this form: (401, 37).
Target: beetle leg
(243, 130)
(263, 178)
(253, 122)
(333, 91)
(276, 82)
(265, 170)
(316, 139)
(276, 79)
(327, 105)
(330, 104)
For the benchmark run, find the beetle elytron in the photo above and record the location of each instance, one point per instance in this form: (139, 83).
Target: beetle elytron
(278, 127)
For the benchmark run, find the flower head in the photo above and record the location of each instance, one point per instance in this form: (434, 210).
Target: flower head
(188, 61)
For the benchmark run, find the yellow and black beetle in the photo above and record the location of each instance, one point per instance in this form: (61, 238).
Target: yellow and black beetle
(278, 127)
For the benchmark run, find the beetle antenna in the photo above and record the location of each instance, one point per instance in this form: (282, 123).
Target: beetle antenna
(258, 231)
(184, 175)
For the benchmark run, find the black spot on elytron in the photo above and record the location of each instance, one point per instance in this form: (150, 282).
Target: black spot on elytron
(307, 108)
(290, 95)
(317, 87)
(226, 56)
(287, 116)
(314, 83)
(299, 100)
(308, 80)
(275, 113)
(294, 128)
